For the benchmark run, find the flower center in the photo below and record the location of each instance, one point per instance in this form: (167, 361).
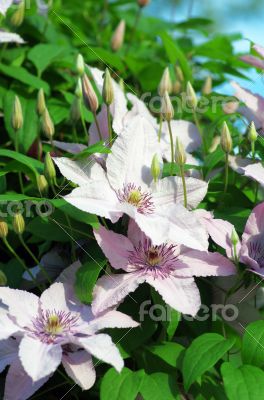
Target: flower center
(138, 198)
(158, 261)
(53, 326)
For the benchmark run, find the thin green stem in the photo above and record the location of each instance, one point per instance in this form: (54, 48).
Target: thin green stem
(83, 121)
(226, 172)
(160, 127)
(75, 136)
(12, 251)
(97, 126)
(171, 145)
(19, 173)
(184, 186)
(109, 125)
(197, 123)
(253, 150)
(35, 259)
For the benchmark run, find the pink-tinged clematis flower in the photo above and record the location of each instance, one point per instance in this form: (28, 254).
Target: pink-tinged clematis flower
(247, 167)
(54, 329)
(168, 268)
(255, 61)
(5, 5)
(128, 188)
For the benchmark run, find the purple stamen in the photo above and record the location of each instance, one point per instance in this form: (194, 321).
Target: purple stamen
(134, 195)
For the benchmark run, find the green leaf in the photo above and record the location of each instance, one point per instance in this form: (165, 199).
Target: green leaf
(42, 55)
(86, 278)
(45, 228)
(244, 383)
(159, 386)
(169, 352)
(253, 344)
(173, 323)
(203, 354)
(22, 75)
(121, 386)
(75, 213)
(28, 161)
(175, 54)
(95, 148)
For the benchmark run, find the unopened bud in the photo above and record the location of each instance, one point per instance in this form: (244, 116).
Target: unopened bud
(176, 88)
(234, 237)
(3, 279)
(165, 83)
(215, 143)
(207, 87)
(47, 125)
(75, 113)
(49, 168)
(3, 229)
(78, 90)
(180, 154)
(179, 73)
(143, 3)
(108, 90)
(89, 95)
(252, 133)
(122, 84)
(80, 66)
(18, 224)
(19, 15)
(42, 185)
(191, 96)
(41, 103)
(155, 168)
(226, 139)
(167, 109)
(17, 115)
(118, 36)
(230, 107)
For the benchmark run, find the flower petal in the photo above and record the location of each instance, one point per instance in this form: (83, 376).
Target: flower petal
(9, 37)
(252, 60)
(39, 359)
(79, 367)
(4, 6)
(110, 290)
(68, 274)
(57, 297)
(73, 148)
(259, 49)
(181, 294)
(116, 247)
(111, 319)
(256, 172)
(8, 352)
(255, 222)
(102, 347)
(139, 108)
(96, 198)
(94, 136)
(7, 327)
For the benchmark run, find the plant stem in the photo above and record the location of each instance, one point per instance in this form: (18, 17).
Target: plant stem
(226, 172)
(35, 259)
(83, 122)
(184, 186)
(109, 125)
(19, 173)
(12, 251)
(75, 136)
(138, 15)
(253, 150)
(197, 123)
(97, 126)
(160, 127)
(171, 145)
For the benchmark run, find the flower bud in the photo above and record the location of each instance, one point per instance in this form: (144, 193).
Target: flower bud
(234, 237)
(226, 139)
(17, 115)
(3, 279)
(180, 154)
(19, 15)
(41, 103)
(143, 3)
(191, 96)
(122, 84)
(80, 66)
(49, 168)
(118, 36)
(3, 229)
(167, 109)
(230, 107)
(42, 185)
(179, 73)
(252, 133)
(18, 224)
(75, 113)
(108, 90)
(176, 88)
(215, 143)
(89, 95)
(165, 83)
(155, 168)
(78, 90)
(207, 87)
(47, 125)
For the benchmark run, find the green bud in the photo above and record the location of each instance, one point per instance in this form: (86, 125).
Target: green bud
(49, 168)
(89, 95)
(19, 15)
(41, 103)
(3, 279)
(78, 90)
(179, 73)
(176, 88)
(165, 83)
(155, 168)
(108, 90)
(118, 36)
(226, 139)
(42, 185)
(17, 115)
(191, 96)
(18, 224)
(167, 109)
(3, 229)
(75, 113)
(80, 66)
(252, 133)
(207, 87)
(180, 154)
(234, 237)
(47, 125)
